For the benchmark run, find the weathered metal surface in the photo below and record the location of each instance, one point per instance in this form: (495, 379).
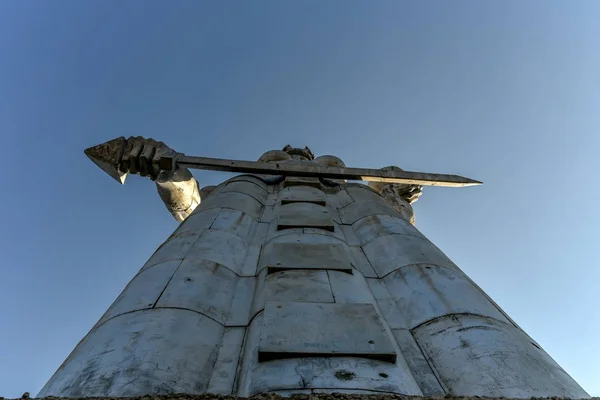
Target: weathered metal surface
(220, 247)
(249, 178)
(202, 286)
(350, 288)
(478, 356)
(309, 169)
(308, 181)
(250, 266)
(239, 313)
(361, 209)
(339, 199)
(388, 253)
(298, 285)
(360, 262)
(294, 329)
(224, 371)
(144, 290)
(419, 366)
(250, 188)
(206, 330)
(342, 373)
(175, 248)
(304, 215)
(236, 222)
(149, 351)
(302, 194)
(197, 222)
(386, 304)
(235, 200)
(425, 291)
(374, 226)
(349, 235)
(279, 256)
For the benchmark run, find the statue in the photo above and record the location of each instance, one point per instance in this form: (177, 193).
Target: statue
(292, 278)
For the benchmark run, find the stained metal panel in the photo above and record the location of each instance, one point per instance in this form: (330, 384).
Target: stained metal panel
(303, 329)
(249, 188)
(220, 247)
(302, 194)
(361, 209)
(386, 304)
(360, 262)
(374, 226)
(175, 248)
(151, 351)
(235, 200)
(280, 256)
(419, 367)
(239, 313)
(304, 215)
(236, 222)
(424, 291)
(350, 288)
(197, 222)
(390, 252)
(143, 290)
(297, 181)
(202, 286)
(300, 285)
(224, 371)
(478, 356)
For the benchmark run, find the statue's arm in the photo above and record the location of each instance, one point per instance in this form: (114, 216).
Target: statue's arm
(177, 189)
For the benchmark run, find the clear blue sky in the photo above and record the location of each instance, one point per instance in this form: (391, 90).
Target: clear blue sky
(507, 92)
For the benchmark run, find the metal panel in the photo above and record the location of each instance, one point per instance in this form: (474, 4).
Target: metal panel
(299, 285)
(249, 188)
(176, 248)
(304, 215)
(424, 291)
(221, 247)
(236, 222)
(235, 200)
(302, 194)
(239, 314)
(268, 214)
(202, 286)
(360, 262)
(197, 222)
(143, 290)
(478, 356)
(363, 193)
(386, 305)
(251, 261)
(278, 256)
(349, 288)
(319, 372)
(374, 226)
(304, 329)
(152, 351)
(360, 209)
(349, 235)
(249, 178)
(340, 199)
(260, 233)
(224, 372)
(388, 253)
(419, 367)
(296, 181)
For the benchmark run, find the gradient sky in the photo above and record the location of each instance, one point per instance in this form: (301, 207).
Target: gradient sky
(507, 92)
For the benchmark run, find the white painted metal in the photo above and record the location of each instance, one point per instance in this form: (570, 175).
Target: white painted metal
(193, 320)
